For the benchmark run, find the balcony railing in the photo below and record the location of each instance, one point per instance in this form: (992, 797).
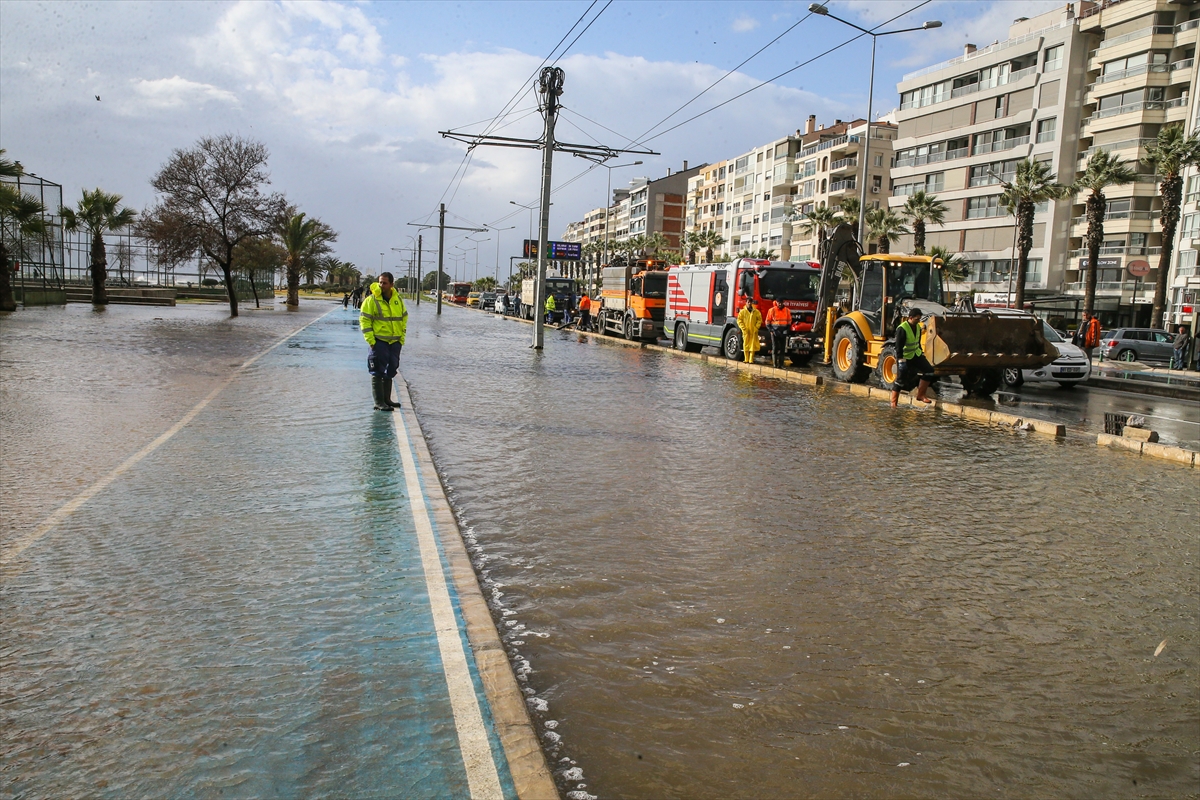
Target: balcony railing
(1125, 144)
(842, 163)
(1117, 251)
(933, 158)
(984, 213)
(1134, 35)
(1115, 215)
(841, 186)
(1129, 108)
(1109, 77)
(1003, 144)
(971, 88)
(828, 143)
(1109, 286)
(1187, 26)
(983, 51)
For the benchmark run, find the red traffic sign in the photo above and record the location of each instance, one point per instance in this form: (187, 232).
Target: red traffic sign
(1138, 269)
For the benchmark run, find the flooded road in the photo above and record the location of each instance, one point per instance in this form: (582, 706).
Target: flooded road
(725, 586)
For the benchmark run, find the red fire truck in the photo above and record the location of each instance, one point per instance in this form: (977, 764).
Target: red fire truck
(703, 301)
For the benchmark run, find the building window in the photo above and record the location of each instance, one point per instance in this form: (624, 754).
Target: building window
(1046, 128)
(1190, 229)
(1193, 189)
(876, 183)
(879, 161)
(1053, 58)
(978, 207)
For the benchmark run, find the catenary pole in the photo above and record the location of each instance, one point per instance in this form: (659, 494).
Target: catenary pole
(549, 86)
(441, 252)
(862, 191)
(418, 269)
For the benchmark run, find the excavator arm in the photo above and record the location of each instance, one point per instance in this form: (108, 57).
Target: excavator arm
(842, 248)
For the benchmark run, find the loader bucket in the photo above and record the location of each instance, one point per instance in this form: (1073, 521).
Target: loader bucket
(986, 341)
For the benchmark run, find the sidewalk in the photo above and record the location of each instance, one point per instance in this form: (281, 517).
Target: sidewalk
(274, 600)
(1146, 379)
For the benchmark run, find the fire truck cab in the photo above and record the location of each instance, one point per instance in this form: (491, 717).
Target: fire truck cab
(703, 301)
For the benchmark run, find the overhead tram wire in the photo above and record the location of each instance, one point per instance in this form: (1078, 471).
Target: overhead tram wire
(461, 172)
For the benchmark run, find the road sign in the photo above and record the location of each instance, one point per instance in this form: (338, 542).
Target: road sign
(1138, 269)
(559, 251)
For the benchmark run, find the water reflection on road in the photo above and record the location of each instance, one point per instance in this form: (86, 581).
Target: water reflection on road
(730, 587)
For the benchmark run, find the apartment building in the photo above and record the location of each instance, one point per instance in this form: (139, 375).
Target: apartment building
(706, 194)
(1139, 76)
(828, 172)
(644, 208)
(966, 123)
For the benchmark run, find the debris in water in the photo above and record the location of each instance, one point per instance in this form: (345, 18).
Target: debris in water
(843, 727)
(1161, 646)
(903, 764)
(720, 620)
(552, 724)
(738, 705)
(573, 774)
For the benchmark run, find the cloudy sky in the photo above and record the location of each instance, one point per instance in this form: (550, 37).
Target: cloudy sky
(349, 97)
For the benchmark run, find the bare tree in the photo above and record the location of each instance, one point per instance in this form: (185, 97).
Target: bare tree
(212, 198)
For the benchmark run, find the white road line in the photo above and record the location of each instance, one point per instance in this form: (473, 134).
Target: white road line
(482, 778)
(21, 544)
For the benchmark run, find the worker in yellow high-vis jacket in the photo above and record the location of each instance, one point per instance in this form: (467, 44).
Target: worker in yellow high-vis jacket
(384, 320)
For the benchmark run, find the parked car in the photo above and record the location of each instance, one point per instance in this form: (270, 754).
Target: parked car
(1137, 344)
(487, 301)
(473, 299)
(1072, 366)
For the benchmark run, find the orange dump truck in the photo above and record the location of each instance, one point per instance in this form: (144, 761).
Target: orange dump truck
(633, 300)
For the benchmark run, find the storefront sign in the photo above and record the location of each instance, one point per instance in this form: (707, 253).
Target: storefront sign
(1138, 269)
(1106, 262)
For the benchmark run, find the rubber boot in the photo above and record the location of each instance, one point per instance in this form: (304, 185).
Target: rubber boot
(387, 393)
(377, 387)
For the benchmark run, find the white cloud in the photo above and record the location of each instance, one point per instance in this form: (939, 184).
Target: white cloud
(177, 92)
(744, 24)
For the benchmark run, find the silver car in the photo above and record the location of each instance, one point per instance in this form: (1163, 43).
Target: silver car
(1072, 366)
(1137, 344)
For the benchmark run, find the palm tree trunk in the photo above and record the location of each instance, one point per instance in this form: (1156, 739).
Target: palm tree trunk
(1024, 245)
(7, 301)
(1095, 235)
(99, 270)
(918, 236)
(884, 244)
(708, 254)
(293, 285)
(1171, 192)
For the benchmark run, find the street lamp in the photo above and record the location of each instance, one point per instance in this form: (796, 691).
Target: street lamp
(608, 203)
(476, 242)
(529, 208)
(820, 10)
(497, 230)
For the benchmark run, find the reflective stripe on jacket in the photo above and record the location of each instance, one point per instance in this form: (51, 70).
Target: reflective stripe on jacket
(383, 320)
(912, 339)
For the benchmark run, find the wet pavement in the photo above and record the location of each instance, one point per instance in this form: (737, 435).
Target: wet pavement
(710, 584)
(248, 610)
(726, 586)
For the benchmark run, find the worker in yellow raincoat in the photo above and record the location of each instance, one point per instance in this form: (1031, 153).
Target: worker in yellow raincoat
(749, 320)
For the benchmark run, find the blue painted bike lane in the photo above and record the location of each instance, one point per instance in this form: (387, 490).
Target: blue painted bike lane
(261, 606)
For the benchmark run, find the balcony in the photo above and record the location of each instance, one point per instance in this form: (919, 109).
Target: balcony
(971, 88)
(1149, 105)
(1004, 144)
(1109, 77)
(842, 186)
(1134, 36)
(843, 163)
(830, 143)
(1187, 26)
(986, 213)
(1126, 144)
(1110, 286)
(933, 158)
(1119, 215)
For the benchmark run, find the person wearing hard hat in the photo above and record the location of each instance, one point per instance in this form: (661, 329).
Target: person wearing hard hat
(911, 357)
(749, 320)
(384, 321)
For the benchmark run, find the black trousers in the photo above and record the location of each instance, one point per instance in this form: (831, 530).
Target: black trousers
(778, 343)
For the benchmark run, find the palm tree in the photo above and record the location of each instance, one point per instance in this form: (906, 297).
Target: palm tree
(690, 245)
(709, 240)
(98, 212)
(1103, 170)
(657, 244)
(1170, 154)
(302, 239)
(884, 226)
(1032, 184)
(848, 212)
(923, 208)
(819, 220)
(762, 253)
(21, 216)
(954, 266)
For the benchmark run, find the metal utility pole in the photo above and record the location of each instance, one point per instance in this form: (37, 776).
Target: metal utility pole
(418, 269)
(550, 84)
(442, 228)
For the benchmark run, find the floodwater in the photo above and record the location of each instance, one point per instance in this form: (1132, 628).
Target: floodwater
(725, 586)
(713, 585)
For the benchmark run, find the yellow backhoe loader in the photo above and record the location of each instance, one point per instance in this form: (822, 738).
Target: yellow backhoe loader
(976, 346)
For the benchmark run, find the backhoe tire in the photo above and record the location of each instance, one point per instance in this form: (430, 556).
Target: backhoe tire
(731, 344)
(849, 356)
(888, 369)
(982, 382)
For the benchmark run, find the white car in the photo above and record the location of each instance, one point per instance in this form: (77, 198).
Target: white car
(1070, 368)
